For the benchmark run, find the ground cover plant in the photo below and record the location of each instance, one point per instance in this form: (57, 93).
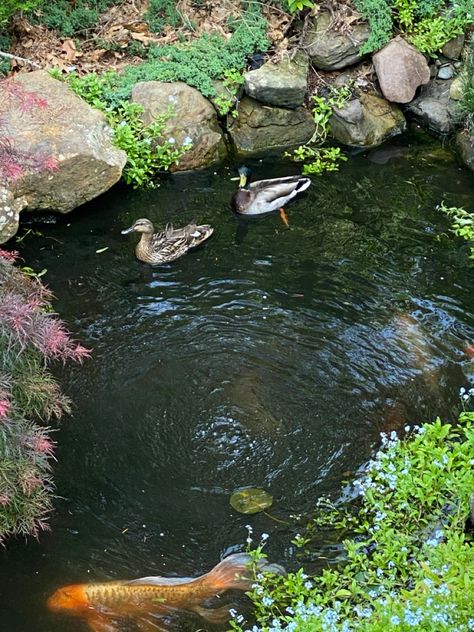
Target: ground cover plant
(410, 562)
(427, 24)
(31, 337)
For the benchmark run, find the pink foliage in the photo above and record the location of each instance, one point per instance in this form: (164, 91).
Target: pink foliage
(4, 407)
(4, 500)
(9, 255)
(14, 163)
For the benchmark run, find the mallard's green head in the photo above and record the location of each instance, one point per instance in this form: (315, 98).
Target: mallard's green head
(244, 173)
(140, 226)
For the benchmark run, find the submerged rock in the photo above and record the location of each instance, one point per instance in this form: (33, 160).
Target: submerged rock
(282, 84)
(56, 150)
(400, 69)
(193, 117)
(261, 127)
(331, 49)
(434, 107)
(366, 121)
(465, 147)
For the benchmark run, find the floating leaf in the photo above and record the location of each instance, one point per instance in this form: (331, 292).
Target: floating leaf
(251, 500)
(97, 252)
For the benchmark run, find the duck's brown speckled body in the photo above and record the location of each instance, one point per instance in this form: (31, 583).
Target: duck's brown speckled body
(169, 244)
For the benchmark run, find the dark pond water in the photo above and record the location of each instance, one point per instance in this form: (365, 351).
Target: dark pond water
(269, 357)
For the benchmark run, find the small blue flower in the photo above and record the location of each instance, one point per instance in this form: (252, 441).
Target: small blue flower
(267, 601)
(395, 620)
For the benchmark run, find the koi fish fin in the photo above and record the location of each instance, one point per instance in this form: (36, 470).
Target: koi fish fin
(213, 615)
(234, 572)
(97, 623)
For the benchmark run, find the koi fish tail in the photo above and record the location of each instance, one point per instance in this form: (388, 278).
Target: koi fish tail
(234, 572)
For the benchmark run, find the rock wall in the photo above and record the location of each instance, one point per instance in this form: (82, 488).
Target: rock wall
(56, 151)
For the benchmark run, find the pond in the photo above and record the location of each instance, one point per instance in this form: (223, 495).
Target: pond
(270, 357)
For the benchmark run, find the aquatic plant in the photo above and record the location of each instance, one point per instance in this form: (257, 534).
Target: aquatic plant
(31, 336)
(409, 563)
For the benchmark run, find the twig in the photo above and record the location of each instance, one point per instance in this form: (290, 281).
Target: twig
(23, 59)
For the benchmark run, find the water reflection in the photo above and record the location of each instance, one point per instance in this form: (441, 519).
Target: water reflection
(271, 358)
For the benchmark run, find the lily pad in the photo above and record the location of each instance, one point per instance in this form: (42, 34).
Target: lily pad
(251, 500)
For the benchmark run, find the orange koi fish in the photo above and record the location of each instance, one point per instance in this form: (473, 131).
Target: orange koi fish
(148, 601)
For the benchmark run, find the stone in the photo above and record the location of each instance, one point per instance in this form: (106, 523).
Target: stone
(261, 127)
(401, 69)
(446, 72)
(330, 49)
(366, 121)
(453, 48)
(465, 148)
(57, 151)
(434, 108)
(282, 84)
(193, 117)
(456, 89)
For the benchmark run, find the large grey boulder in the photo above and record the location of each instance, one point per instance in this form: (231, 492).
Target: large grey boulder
(400, 69)
(465, 147)
(331, 49)
(193, 119)
(434, 107)
(56, 151)
(366, 121)
(261, 127)
(282, 84)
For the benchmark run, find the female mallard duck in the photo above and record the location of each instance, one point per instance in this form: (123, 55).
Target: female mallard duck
(169, 244)
(265, 196)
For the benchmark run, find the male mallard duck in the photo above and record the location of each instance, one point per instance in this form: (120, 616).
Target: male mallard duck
(265, 196)
(169, 244)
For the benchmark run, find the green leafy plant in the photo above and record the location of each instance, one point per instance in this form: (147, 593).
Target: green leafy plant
(428, 24)
(299, 5)
(319, 159)
(226, 100)
(408, 564)
(462, 223)
(144, 145)
(147, 149)
(9, 7)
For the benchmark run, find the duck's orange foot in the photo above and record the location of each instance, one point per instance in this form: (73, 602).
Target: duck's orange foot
(284, 217)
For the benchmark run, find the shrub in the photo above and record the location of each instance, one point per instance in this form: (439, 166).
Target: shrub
(9, 7)
(70, 18)
(31, 337)
(409, 564)
(147, 151)
(161, 13)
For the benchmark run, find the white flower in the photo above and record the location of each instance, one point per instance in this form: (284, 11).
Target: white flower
(171, 140)
(187, 141)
